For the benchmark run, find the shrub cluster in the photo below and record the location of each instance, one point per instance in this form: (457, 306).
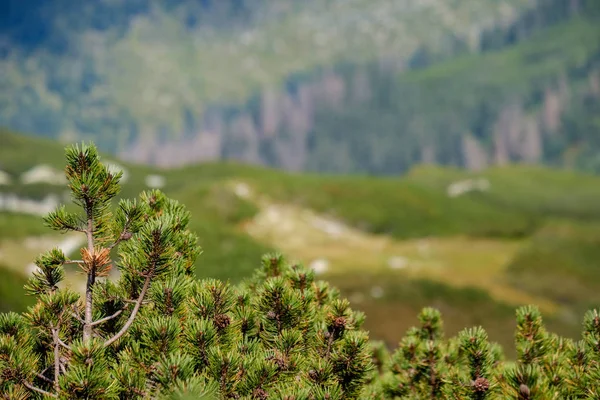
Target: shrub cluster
(156, 332)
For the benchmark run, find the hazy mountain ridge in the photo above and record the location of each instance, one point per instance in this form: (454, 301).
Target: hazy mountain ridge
(308, 86)
(93, 81)
(531, 102)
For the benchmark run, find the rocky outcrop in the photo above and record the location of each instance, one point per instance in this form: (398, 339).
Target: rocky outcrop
(475, 156)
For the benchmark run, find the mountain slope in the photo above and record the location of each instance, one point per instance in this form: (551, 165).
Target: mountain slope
(311, 86)
(531, 102)
(449, 238)
(119, 71)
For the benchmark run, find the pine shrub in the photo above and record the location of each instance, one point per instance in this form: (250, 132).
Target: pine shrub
(156, 332)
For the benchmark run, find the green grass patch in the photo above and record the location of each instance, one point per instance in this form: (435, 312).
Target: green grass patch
(227, 252)
(561, 262)
(399, 207)
(392, 314)
(20, 226)
(537, 60)
(12, 293)
(19, 152)
(534, 191)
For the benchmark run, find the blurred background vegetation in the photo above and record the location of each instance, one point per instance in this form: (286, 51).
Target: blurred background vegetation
(440, 153)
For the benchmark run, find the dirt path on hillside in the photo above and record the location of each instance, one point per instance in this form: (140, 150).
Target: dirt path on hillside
(330, 246)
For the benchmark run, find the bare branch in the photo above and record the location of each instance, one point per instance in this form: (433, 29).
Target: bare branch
(39, 375)
(134, 312)
(72, 262)
(63, 344)
(35, 389)
(91, 278)
(111, 316)
(78, 318)
(135, 301)
(56, 358)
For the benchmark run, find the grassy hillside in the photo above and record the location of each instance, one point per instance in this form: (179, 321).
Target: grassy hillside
(392, 245)
(518, 69)
(12, 294)
(562, 252)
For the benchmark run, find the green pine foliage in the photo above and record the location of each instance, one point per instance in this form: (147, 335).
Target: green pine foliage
(156, 332)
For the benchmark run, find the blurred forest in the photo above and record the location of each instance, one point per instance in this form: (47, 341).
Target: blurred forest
(361, 86)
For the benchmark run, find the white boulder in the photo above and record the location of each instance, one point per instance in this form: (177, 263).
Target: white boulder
(461, 187)
(5, 178)
(43, 174)
(397, 262)
(155, 181)
(319, 265)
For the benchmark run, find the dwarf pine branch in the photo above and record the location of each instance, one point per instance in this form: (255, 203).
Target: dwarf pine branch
(115, 315)
(38, 390)
(156, 332)
(133, 314)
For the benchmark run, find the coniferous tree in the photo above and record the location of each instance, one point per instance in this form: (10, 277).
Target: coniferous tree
(156, 332)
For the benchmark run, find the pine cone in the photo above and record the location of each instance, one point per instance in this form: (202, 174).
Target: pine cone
(280, 362)
(222, 321)
(126, 235)
(260, 393)
(481, 385)
(524, 391)
(339, 323)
